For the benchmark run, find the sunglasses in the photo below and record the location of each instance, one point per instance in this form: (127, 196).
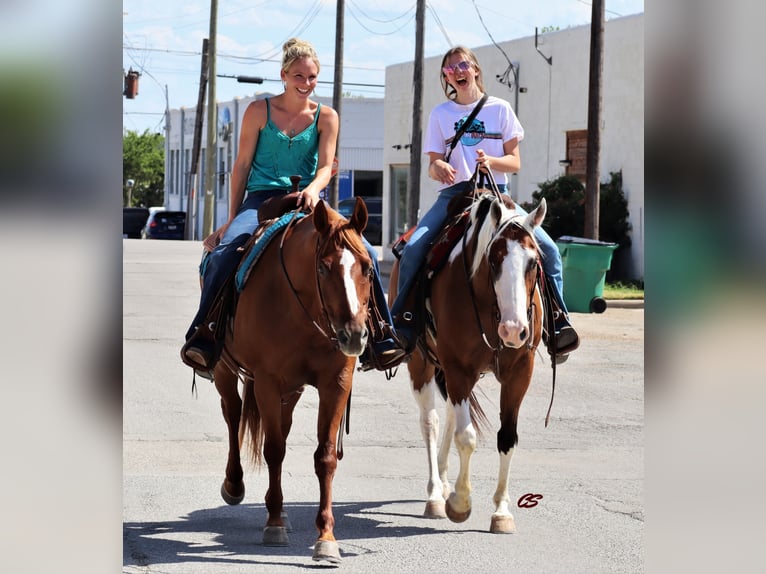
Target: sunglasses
(462, 66)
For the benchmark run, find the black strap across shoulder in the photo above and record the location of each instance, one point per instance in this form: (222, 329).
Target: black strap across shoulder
(465, 126)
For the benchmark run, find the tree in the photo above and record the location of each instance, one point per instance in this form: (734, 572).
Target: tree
(143, 162)
(565, 215)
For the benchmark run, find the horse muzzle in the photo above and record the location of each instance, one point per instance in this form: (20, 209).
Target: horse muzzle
(513, 334)
(352, 340)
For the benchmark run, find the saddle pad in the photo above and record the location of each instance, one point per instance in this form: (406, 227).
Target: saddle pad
(447, 239)
(243, 271)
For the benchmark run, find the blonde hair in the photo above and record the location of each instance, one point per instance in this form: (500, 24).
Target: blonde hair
(295, 49)
(449, 90)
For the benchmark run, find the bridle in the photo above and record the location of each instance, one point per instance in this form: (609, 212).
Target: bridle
(319, 248)
(515, 221)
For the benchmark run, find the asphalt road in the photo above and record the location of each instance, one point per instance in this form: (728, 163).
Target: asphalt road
(587, 464)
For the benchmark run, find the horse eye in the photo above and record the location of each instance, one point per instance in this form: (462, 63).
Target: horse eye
(323, 268)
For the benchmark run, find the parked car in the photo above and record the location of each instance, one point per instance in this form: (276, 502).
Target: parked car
(374, 230)
(133, 221)
(165, 225)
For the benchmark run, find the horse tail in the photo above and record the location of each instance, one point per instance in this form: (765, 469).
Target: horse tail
(478, 416)
(251, 421)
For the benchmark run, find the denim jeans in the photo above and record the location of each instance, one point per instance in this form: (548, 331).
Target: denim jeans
(429, 226)
(221, 263)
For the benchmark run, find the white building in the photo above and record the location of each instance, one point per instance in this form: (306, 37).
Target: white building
(552, 105)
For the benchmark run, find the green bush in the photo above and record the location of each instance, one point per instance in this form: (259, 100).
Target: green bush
(565, 198)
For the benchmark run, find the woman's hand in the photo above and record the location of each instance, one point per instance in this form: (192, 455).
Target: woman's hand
(443, 172)
(483, 161)
(307, 199)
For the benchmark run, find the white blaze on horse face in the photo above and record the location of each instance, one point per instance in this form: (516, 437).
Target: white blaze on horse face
(511, 290)
(347, 261)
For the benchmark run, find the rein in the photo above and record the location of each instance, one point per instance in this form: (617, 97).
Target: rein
(333, 340)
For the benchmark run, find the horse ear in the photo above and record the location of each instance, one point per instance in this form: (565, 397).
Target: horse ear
(321, 221)
(535, 218)
(359, 217)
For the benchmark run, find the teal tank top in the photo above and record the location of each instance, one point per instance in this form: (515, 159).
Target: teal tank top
(278, 156)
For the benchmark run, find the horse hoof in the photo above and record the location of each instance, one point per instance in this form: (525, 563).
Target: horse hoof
(327, 551)
(435, 509)
(275, 536)
(286, 521)
(456, 516)
(502, 524)
(232, 498)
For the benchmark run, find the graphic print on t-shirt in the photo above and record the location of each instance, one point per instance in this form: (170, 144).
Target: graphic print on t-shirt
(475, 133)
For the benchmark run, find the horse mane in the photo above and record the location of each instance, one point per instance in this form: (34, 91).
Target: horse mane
(481, 220)
(343, 234)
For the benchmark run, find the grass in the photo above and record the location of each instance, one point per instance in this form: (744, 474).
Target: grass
(627, 290)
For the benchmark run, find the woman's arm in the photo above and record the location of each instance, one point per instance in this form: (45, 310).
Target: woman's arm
(439, 169)
(252, 123)
(328, 138)
(508, 163)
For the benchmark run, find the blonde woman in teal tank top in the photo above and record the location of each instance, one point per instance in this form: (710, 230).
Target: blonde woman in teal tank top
(285, 135)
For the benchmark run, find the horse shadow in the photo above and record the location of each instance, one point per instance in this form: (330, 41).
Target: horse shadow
(232, 534)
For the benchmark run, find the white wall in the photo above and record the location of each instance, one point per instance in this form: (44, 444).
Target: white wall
(556, 101)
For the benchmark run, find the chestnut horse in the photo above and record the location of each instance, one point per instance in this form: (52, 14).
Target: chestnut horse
(300, 320)
(486, 315)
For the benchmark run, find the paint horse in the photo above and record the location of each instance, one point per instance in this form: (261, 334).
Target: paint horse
(299, 320)
(486, 315)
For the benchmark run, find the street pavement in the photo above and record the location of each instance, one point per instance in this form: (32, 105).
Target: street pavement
(588, 464)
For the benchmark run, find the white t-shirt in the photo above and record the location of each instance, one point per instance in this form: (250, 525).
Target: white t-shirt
(493, 126)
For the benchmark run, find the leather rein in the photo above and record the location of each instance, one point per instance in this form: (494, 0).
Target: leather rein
(333, 339)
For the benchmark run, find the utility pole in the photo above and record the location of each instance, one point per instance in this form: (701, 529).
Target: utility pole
(416, 144)
(191, 201)
(337, 92)
(595, 84)
(212, 124)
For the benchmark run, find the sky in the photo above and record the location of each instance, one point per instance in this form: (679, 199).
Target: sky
(163, 41)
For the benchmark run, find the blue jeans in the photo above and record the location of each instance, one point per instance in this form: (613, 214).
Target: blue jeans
(221, 263)
(429, 226)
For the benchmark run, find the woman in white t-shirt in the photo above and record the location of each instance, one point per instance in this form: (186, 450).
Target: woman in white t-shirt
(491, 142)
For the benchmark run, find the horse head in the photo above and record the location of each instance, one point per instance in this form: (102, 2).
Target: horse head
(344, 274)
(505, 240)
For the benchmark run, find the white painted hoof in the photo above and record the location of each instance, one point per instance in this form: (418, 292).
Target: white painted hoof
(502, 524)
(327, 551)
(286, 521)
(456, 516)
(231, 499)
(275, 536)
(435, 509)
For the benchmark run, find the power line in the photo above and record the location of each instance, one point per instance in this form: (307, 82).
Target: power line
(439, 23)
(236, 57)
(394, 19)
(394, 31)
(505, 77)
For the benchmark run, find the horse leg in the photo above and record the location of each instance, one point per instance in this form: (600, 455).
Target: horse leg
(274, 448)
(325, 463)
(444, 449)
(459, 502)
(233, 487)
(288, 407)
(424, 391)
(511, 396)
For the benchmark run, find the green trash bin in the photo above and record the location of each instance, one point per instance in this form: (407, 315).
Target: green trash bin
(585, 263)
